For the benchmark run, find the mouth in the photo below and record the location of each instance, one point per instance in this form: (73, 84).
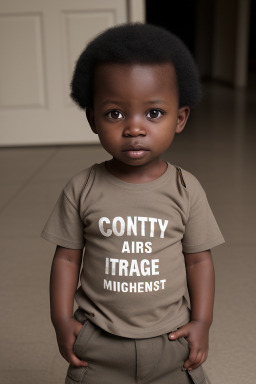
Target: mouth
(136, 151)
(135, 147)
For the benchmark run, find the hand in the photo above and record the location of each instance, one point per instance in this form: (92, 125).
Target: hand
(197, 335)
(67, 332)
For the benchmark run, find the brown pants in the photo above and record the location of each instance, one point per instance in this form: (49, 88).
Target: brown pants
(118, 360)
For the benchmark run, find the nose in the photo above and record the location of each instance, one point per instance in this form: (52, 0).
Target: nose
(134, 127)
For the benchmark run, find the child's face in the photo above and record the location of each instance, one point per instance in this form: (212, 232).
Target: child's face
(136, 111)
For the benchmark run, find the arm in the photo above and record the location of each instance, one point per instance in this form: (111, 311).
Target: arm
(63, 283)
(200, 280)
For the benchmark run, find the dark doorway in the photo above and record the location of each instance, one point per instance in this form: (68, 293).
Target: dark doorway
(252, 37)
(178, 17)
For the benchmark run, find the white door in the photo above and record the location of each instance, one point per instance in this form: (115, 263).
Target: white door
(40, 41)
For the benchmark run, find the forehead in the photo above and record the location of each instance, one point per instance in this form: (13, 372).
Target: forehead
(147, 78)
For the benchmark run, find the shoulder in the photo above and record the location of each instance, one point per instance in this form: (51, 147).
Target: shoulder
(76, 184)
(191, 181)
(193, 186)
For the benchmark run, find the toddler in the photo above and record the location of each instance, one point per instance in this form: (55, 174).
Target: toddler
(141, 227)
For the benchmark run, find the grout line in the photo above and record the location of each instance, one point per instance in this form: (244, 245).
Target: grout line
(28, 181)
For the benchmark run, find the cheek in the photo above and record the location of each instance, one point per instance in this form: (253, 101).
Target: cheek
(108, 139)
(166, 137)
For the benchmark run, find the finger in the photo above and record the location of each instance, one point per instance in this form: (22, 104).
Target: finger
(181, 332)
(191, 364)
(78, 329)
(72, 359)
(193, 360)
(202, 360)
(194, 366)
(76, 362)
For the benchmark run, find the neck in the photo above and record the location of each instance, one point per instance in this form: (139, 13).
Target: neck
(136, 174)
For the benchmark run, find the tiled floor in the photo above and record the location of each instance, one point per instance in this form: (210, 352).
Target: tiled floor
(218, 146)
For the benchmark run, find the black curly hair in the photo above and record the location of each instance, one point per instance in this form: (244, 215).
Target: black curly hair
(136, 43)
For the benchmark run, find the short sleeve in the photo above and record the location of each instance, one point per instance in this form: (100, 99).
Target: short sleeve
(201, 229)
(64, 226)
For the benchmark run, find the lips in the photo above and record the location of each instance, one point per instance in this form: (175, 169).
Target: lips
(135, 147)
(135, 151)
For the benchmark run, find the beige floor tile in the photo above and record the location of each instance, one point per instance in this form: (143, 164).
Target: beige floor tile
(233, 332)
(18, 168)
(69, 161)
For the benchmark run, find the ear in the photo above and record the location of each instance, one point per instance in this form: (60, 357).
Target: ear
(183, 115)
(90, 118)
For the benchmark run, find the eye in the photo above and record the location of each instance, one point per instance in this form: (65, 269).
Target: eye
(115, 115)
(154, 114)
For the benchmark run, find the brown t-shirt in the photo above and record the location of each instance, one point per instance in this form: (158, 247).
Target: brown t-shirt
(133, 278)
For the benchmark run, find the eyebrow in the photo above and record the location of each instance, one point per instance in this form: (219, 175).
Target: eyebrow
(111, 102)
(157, 102)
